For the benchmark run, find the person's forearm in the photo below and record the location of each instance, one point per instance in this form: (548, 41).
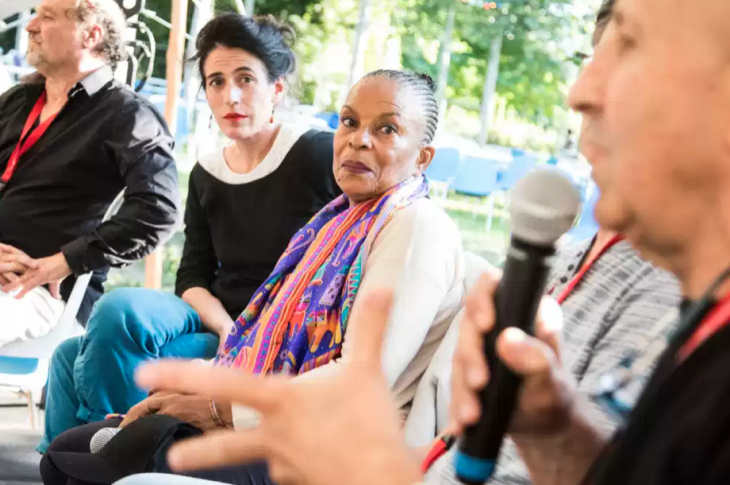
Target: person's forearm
(142, 224)
(210, 309)
(564, 458)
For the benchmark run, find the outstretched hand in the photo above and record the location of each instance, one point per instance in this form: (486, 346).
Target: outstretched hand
(193, 410)
(329, 430)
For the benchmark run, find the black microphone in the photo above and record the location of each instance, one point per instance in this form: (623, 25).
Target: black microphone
(544, 206)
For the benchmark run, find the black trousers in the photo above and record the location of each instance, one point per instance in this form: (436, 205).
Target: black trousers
(77, 440)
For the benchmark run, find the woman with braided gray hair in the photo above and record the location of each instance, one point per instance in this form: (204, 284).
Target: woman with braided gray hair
(384, 232)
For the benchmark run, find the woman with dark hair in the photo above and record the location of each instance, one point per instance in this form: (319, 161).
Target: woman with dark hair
(383, 232)
(244, 204)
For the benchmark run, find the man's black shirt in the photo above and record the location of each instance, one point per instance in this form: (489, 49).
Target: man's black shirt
(105, 139)
(679, 431)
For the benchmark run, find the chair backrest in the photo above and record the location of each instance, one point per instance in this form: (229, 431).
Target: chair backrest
(429, 415)
(66, 327)
(332, 119)
(444, 166)
(517, 168)
(477, 176)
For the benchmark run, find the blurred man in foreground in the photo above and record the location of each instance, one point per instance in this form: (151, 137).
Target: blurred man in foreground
(71, 138)
(659, 89)
(617, 311)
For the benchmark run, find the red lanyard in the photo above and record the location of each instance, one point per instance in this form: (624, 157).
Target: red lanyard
(586, 267)
(21, 147)
(438, 449)
(716, 320)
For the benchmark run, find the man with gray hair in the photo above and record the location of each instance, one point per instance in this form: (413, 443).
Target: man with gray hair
(617, 311)
(72, 138)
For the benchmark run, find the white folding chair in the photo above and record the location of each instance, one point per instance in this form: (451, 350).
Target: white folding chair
(24, 364)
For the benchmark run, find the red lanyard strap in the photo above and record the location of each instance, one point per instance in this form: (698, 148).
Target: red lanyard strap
(586, 267)
(716, 320)
(438, 449)
(22, 146)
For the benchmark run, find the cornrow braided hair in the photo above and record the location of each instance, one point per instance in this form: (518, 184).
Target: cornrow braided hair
(425, 87)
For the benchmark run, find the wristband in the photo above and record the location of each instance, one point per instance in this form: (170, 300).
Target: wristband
(216, 417)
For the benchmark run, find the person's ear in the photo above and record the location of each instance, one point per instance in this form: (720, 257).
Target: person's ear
(279, 90)
(93, 36)
(425, 157)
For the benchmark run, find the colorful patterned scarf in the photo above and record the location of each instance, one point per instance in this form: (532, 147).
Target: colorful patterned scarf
(296, 320)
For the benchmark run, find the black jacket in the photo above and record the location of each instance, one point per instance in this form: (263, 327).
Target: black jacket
(679, 431)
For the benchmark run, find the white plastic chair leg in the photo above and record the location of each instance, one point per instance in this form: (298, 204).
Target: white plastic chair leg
(490, 214)
(507, 210)
(31, 409)
(35, 397)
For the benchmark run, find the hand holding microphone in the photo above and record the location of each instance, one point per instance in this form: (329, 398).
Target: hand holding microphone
(504, 380)
(546, 386)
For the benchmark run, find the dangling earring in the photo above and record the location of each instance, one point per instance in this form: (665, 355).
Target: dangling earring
(272, 116)
(210, 123)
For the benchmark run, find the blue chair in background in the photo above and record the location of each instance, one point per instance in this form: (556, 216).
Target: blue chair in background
(478, 177)
(443, 169)
(517, 168)
(183, 130)
(332, 119)
(587, 225)
(444, 166)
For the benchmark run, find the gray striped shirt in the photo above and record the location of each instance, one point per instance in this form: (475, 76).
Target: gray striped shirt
(610, 314)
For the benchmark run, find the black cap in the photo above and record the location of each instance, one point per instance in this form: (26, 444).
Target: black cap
(138, 448)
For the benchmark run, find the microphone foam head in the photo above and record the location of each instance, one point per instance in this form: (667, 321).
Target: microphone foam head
(544, 206)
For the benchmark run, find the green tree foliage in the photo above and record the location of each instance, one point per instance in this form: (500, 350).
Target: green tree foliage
(323, 46)
(281, 8)
(533, 73)
(163, 8)
(533, 76)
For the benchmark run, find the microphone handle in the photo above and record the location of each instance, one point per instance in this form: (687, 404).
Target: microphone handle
(516, 302)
